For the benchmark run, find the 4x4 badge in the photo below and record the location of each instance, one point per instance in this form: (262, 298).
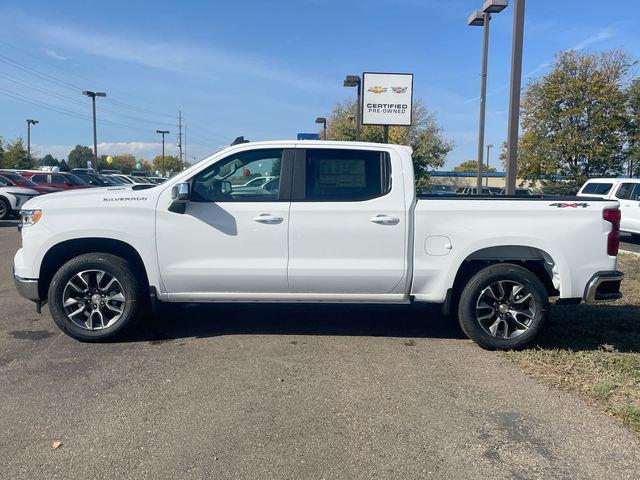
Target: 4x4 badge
(570, 205)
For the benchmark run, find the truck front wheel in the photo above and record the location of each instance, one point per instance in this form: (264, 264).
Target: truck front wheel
(503, 307)
(94, 297)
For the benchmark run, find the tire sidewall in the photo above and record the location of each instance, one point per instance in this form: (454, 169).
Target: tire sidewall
(480, 281)
(7, 209)
(111, 264)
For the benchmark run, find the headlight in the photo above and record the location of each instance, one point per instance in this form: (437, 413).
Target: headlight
(29, 217)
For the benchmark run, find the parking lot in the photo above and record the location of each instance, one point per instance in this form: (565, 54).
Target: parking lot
(278, 391)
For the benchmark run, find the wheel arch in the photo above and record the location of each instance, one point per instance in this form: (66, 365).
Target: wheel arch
(534, 259)
(64, 251)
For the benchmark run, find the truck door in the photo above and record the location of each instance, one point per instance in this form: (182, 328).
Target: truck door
(348, 222)
(628, 194)
(232, 237)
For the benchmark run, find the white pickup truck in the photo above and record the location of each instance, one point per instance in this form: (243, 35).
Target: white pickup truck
(624, 190)
(341, 224)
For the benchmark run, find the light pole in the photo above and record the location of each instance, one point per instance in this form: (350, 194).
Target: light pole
(163, 133)
(354, 81)
(30, 122)
(514, 96)
(93, 96)
(489, 145)
(323, 121)
(482, 19)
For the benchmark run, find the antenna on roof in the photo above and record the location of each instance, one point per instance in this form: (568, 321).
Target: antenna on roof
(239, 140)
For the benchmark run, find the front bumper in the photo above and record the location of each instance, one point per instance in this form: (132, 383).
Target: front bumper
(603, 287)
(27, 287)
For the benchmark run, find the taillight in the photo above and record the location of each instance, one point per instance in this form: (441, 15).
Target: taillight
(612, 215)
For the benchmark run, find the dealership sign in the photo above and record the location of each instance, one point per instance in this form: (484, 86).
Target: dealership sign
(387, 98)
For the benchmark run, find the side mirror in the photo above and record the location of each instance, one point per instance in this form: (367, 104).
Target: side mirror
(179, 197)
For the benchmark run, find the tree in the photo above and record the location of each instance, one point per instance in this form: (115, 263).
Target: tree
(170, 163)
(2, 164)
(430, 148)
(472, 166)
(574, 118)
(49, 160)
(79, 156)
(633, 128)
(64, 166)
(16, 156)
(125, 162)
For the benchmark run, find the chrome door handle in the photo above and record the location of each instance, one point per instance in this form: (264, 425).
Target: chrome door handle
(384, 220)
(267, 218)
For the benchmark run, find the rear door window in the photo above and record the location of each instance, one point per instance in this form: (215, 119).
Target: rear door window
(624, 191)
(333, 175)
(57, 179)
(597, 188)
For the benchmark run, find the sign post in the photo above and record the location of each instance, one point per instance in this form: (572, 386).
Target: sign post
(387, 100)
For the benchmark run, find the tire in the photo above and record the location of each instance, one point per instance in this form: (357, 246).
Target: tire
(106, 309)
(503, 307)
(5, 209)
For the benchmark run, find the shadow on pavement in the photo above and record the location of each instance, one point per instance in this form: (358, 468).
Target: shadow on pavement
(207, 320)
(593, 327)
(9, 223)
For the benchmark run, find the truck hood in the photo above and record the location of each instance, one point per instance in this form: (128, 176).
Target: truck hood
(84, 197)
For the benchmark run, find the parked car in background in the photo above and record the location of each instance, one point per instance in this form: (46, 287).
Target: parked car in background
(12, 199)
(473, 191)
(437, 189)
(256, 182)
(126, 179)
(157, 180)
(95, 179)
(12, 179)
(496, 190)
(624, 190)
(109, 172)
(521, 192)
(62, 180)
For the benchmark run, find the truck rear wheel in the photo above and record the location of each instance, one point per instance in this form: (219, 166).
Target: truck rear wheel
(503, 307)
(95, 297)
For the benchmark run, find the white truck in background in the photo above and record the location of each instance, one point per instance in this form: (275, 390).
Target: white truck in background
(623, 190)
(342, 224)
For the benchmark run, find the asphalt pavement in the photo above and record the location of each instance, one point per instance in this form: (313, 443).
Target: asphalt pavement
(280, 391)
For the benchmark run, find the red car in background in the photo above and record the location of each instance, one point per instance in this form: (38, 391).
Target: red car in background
(63, 180)
(12, 179)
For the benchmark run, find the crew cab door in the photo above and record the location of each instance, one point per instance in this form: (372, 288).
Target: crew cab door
(348, 223)
(628, 194)
(232, 238)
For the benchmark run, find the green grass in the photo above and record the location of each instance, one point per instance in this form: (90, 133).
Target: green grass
(594, 351)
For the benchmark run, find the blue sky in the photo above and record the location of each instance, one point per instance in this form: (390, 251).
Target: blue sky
(267, 69)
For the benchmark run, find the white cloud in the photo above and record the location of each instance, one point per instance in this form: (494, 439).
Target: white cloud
(602, 35)
(185, 59)
(146, 150)
(53, 54)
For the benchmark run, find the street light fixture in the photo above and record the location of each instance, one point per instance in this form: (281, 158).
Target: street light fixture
(354, 81)
(482, 19)
(324, 126)
(93, 96)
(30, 122)
(163, 133)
